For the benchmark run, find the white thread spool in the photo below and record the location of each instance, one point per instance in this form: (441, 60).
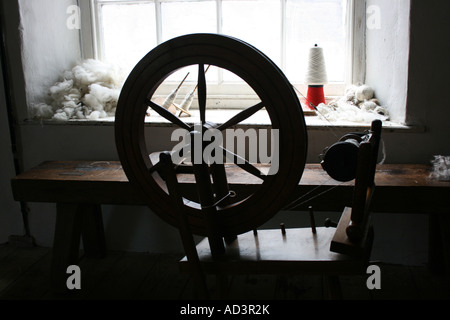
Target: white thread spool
(170, 99)
(316, 77)
(167, 104)
(316, 73)
(187, 101)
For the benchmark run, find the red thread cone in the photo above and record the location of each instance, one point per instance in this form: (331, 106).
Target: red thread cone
(315, 96)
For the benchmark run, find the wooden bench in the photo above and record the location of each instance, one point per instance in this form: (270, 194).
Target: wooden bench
(79, 188)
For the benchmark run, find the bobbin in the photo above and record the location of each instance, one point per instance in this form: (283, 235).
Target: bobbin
(340, 159)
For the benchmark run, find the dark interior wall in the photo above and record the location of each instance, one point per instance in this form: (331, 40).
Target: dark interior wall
(429, 67)
(132, 228)
(10, 218)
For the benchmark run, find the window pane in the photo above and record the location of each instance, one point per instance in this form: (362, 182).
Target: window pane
(257, 22)
(191, 75)
(129, 32)
(311, 22)
(180, 18)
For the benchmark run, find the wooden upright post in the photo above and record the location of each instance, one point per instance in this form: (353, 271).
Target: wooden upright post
(364, 183)
(221, 189)
(183, 225)
(206, 198)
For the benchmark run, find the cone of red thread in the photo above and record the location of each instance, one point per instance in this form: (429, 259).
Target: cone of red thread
(316, 77)
(315, 96)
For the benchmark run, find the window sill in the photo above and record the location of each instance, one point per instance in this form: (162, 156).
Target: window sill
(258, 120)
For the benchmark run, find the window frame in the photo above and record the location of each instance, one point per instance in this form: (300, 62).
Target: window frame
(91, 47)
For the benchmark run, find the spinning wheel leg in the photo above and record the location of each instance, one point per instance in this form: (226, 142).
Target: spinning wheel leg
(221, 189)
(185, 233)
(206, 196)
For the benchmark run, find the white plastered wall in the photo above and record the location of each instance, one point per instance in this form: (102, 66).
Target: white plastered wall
(387, 53)
(49, 46)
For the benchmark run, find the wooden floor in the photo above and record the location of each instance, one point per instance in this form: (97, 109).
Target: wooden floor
(24, 274)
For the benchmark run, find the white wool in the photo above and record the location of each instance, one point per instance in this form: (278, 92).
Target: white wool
(92, 102)
(68, 75)
(74, 95)
(60, 116)
(83, 76)
(350, 94)
(60, 89)
(95, 115)
(441, 168)
(95, 71)
(90, 86)
(69, 104)
(364, 92)
(79, 114)
(382, 111)
(368, 105)
(104, 96)
(42, 111)
(69, 111)
(342, 110)
(350, 108)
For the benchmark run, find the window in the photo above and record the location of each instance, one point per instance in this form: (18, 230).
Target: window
(123, 31)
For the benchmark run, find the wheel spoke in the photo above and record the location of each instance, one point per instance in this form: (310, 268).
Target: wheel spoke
(155, 167)
(243, 164)
(163, 112)
(202, 92)
(241, 116)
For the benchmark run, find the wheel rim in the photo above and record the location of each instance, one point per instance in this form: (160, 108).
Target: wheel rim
(276, 94)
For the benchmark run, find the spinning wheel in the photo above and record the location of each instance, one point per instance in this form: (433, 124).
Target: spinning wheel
(276, 96)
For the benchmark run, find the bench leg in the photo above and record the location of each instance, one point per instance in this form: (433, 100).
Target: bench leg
(333, 287)
(74, 221)
(92, 231)
(439, 243)
(66, 243)
(436, 261)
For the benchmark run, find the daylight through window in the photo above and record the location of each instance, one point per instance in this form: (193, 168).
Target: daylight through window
(285, 30)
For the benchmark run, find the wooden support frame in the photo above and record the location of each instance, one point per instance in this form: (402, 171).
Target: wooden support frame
(354, 235)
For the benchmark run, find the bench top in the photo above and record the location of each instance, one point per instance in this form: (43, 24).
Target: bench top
(104, 182)
(111, 171)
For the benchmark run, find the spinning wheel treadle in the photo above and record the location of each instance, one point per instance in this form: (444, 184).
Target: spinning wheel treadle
(277, 97)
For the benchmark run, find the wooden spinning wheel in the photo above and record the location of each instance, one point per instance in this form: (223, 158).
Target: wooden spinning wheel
(277, 97)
